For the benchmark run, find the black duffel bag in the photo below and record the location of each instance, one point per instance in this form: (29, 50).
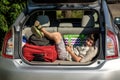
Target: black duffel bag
(43, 41)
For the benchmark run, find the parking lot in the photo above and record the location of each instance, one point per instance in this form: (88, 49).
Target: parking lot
(115, 9)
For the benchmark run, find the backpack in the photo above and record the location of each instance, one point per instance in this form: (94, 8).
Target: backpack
(40, 53)
(44, 41)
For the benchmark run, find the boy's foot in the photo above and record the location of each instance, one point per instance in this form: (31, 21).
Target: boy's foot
(36, 29)
(37, 24)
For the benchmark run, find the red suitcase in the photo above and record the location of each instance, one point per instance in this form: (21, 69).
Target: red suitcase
(47, 53)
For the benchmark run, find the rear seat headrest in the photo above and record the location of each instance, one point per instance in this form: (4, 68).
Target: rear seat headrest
(66, 25)
(87, 21)
(44, 20)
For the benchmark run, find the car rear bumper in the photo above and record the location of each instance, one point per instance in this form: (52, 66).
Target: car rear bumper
(12, 70)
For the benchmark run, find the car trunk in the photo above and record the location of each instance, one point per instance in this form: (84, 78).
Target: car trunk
(68, 21)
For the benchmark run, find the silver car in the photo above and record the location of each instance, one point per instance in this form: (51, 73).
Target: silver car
(69, 17)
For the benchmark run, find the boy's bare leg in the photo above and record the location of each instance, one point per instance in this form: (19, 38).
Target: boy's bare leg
(56, 36)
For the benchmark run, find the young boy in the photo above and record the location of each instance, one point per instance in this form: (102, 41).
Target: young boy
(83, 53)
(78, 54)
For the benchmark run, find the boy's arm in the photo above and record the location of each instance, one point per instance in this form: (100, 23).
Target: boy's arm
(75, 57)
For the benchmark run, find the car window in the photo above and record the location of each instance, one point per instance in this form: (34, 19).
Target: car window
(64, 16)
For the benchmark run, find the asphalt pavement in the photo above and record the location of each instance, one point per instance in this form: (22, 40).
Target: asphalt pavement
(115, 9)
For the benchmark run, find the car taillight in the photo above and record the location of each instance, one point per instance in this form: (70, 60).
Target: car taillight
(111, 45)
(8, 46)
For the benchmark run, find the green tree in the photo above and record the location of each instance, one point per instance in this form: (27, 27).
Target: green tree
(9, 10)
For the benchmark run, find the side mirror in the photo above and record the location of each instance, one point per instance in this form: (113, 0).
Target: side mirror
(117, 21)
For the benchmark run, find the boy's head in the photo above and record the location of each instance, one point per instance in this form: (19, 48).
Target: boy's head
(91, 40)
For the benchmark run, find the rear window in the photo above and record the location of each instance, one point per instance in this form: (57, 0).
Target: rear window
(64, 16)
(63, 1)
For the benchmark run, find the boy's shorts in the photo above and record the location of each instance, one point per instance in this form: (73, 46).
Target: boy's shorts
(62, 53)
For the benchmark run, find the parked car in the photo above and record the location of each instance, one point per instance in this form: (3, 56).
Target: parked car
(69, 17)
